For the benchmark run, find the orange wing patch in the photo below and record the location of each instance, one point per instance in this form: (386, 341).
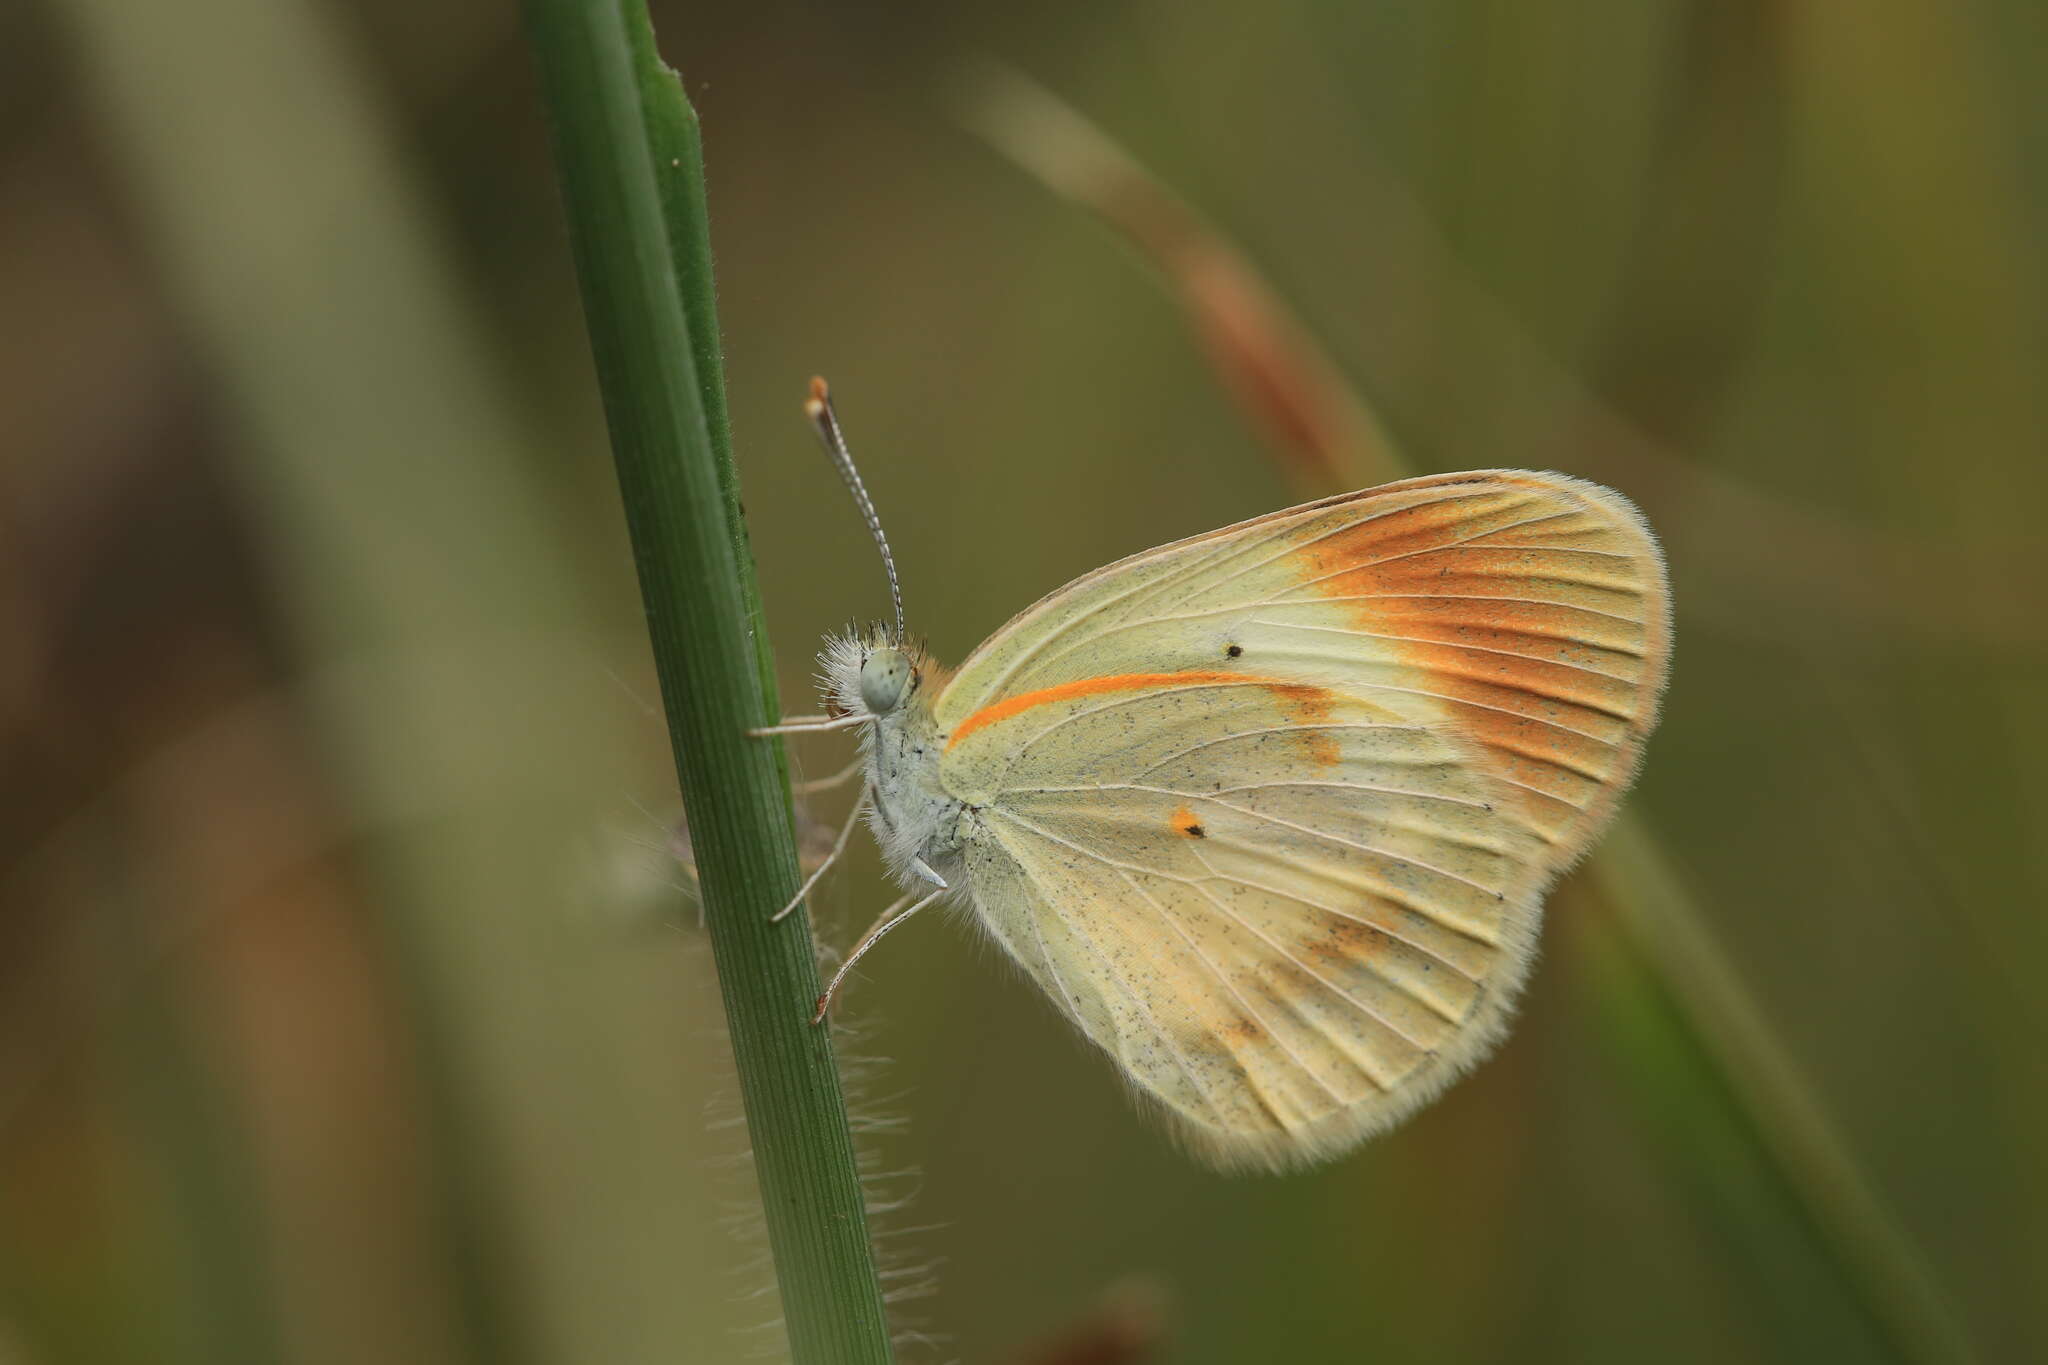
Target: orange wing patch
(1525, 607)
(1310, 706)
(1186, 825)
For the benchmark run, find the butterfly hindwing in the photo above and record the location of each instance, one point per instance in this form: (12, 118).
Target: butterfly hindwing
(1268, 813)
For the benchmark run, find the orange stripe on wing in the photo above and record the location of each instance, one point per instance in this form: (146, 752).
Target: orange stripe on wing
(1299, 696)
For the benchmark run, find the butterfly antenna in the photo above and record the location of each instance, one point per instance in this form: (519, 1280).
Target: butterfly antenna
(819, 409)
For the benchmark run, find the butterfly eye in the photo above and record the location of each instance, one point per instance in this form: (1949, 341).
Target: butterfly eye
(885, 676)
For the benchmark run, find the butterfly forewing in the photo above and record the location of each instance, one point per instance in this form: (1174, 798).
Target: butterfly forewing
(1269, 812)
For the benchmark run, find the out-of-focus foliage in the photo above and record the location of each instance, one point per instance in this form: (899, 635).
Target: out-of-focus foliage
(347, 1010)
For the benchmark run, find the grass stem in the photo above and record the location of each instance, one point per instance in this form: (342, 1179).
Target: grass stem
(627, 149)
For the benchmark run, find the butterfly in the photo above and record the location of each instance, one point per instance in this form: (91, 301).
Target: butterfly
(1268, 814)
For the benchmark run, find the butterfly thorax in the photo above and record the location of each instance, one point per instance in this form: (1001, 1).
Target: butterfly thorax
(894, 685)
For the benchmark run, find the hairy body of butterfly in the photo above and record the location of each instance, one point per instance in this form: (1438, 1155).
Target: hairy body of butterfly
(1269, 813)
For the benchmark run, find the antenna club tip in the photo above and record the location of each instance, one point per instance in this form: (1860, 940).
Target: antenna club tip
(821, 394)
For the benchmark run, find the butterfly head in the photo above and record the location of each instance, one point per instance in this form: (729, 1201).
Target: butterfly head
(874, 673)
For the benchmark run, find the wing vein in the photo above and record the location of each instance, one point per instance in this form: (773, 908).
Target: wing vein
(1044, 833)
(1518, 715)
(1243, 787)
(1238, 573)
(1463, 931)
(1551, 796)
(995, 687)
(1470, 542)
(1406, 990)
(1328, 837)
(1166, 1039)
(1329, 985)
(1276, 730)
(1342, 527)
(1518, 525)
(1468, 597)
(1433, 1006)
(1450, 644)
(1628, 588)
(1237, 995)
(1384, 893)
(1130, 698)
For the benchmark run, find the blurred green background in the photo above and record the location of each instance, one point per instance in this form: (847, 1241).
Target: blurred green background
(353, 1008)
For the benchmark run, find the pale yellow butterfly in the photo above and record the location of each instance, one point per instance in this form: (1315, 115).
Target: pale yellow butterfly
(1269, 813)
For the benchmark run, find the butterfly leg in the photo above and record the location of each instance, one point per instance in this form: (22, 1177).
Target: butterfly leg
(825, 784)
(838, 847)
(891, 917)
(797, 725)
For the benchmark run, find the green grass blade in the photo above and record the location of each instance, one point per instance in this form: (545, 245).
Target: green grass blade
(644, 271)
(676, 144)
